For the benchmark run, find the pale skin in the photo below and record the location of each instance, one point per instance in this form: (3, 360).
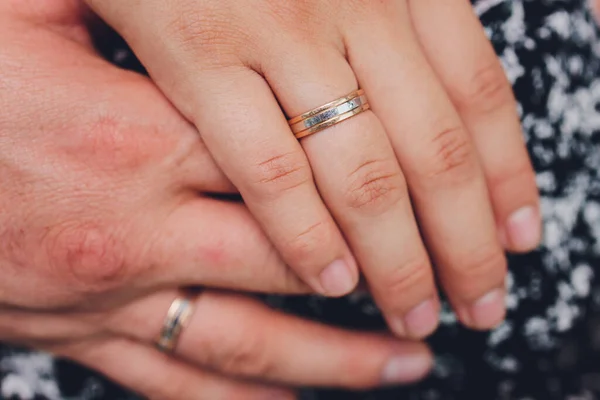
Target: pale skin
(102, 219)
(435, 175)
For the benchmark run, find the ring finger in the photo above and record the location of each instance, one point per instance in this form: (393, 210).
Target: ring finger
(238, 336)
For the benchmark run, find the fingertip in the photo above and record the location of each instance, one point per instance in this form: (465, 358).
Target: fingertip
(522, 231)
(418, 323)
(423, 320)
(339, 278)
(486, 313)
(408, 365)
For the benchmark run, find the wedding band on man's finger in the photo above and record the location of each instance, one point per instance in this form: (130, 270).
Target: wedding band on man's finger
(177, 318)
(239, 336)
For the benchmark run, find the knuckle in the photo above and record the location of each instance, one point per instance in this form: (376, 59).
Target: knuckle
(282, 173)
(413, 274)
(452, 159)
(13, 244)
(488, 89)
(375, 186)
(305, 245)
(206, 30)
(369, 8)
(246, 354)
(284, 278)
(172, 385)
(484, 268)
(112, 144)
(87, 256)
(517, 175)
(105, 137)
(295, 13)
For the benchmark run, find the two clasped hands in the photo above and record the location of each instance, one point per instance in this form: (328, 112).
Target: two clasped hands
(105, 175)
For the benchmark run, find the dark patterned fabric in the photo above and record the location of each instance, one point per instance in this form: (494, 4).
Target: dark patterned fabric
(549, 347)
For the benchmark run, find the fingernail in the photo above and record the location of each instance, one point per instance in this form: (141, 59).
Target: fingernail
(421, 320)
(337, 279)
(489, 311)
(406, 368)
(524, 228)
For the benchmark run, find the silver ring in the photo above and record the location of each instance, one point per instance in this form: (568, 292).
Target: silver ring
(177, 318)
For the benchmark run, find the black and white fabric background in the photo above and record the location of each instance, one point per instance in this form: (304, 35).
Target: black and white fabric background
(549, 348)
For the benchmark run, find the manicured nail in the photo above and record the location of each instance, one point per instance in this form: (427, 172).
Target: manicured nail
(406, 368)
(422, 320)
(524, 228)
(489, 311)
(337, 279)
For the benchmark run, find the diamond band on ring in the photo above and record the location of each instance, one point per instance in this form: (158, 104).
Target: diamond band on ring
(177, 318)
(329, 114)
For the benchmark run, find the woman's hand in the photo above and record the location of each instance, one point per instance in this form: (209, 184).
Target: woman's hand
(443, 140)
(101, 221)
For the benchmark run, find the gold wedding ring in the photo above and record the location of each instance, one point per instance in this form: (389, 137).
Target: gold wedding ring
(329, 114)
(177, 318)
